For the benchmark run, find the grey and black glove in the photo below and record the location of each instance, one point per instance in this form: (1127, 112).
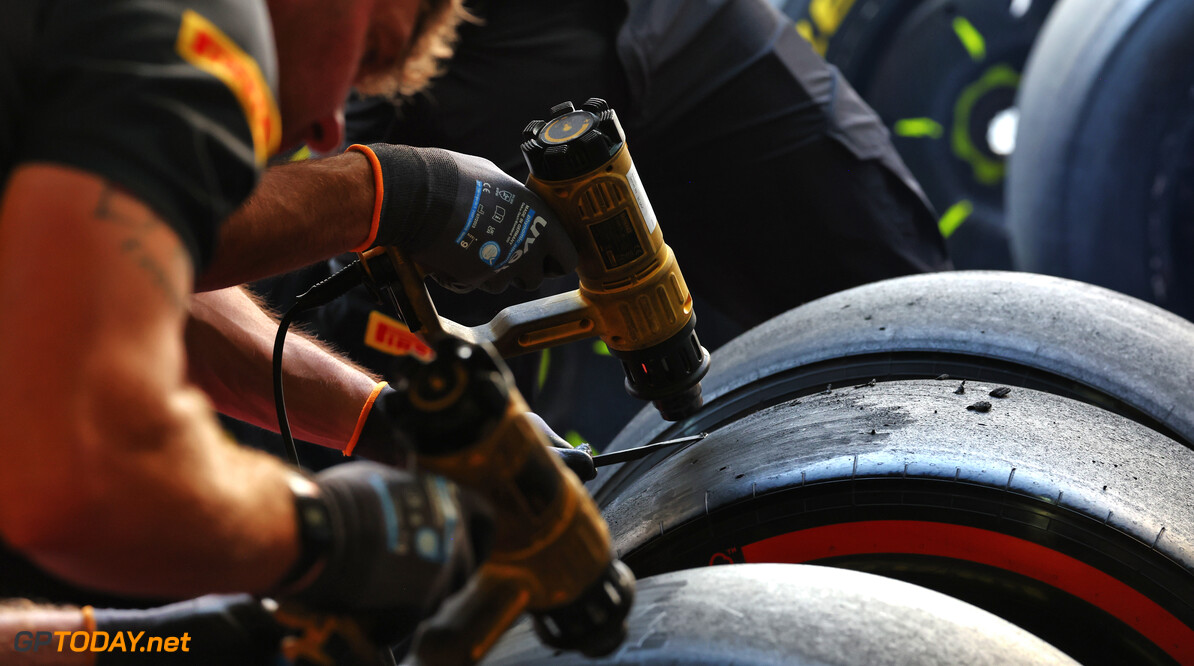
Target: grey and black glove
(380, 538)
(464, 220)
(579, 459)
(381, 548)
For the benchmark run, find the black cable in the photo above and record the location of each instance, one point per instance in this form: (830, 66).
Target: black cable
(321, 293)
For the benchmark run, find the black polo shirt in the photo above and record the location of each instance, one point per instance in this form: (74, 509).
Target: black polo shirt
(172, 100)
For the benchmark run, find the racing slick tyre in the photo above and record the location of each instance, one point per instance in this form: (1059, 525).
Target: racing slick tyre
(778, 436)
(1069, 521)
(1035, 331)
(796, 615)
(943, 75)
(1101, 188)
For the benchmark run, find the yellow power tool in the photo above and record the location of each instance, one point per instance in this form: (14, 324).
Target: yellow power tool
(630, 283)
(632, 294)
(552, 555)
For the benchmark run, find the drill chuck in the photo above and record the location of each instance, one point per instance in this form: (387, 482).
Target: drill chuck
(580, 165)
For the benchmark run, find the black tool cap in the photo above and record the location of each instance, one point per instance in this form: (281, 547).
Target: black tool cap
(572, 142)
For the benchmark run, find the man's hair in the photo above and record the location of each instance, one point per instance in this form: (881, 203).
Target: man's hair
(432, 39)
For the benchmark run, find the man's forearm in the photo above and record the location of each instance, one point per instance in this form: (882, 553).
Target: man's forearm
(230, 349)
(117, 475)
(299, 214)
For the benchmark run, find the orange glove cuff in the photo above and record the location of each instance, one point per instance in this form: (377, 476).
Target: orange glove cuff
(356, 432)
(379, 192)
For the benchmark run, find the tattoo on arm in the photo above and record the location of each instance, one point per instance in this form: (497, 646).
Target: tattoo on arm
(137, 226)
(104, 210)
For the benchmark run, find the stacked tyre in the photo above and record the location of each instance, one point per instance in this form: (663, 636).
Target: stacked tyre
(1058, 142)
(1019, 442)
(943, 75)
(1101, 188)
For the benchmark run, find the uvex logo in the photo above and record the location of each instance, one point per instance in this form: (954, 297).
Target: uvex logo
(538, 225)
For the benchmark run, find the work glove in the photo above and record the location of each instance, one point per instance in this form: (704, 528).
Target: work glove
(464, 221)
(382, 548)
(394, 540)
(230, 630)
(579, 459)
(377, 440)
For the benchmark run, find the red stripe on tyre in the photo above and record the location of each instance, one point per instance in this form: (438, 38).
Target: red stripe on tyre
(989, 548)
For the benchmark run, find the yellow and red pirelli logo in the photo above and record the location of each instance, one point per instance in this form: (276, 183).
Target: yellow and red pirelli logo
(392, 337)
(206, 47)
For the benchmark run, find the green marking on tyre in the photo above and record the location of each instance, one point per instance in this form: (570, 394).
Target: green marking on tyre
(544, 365)
(986, 170)
(600, 349)
(972, 40)
(917, 128)
(954, 217)
(574, 438)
